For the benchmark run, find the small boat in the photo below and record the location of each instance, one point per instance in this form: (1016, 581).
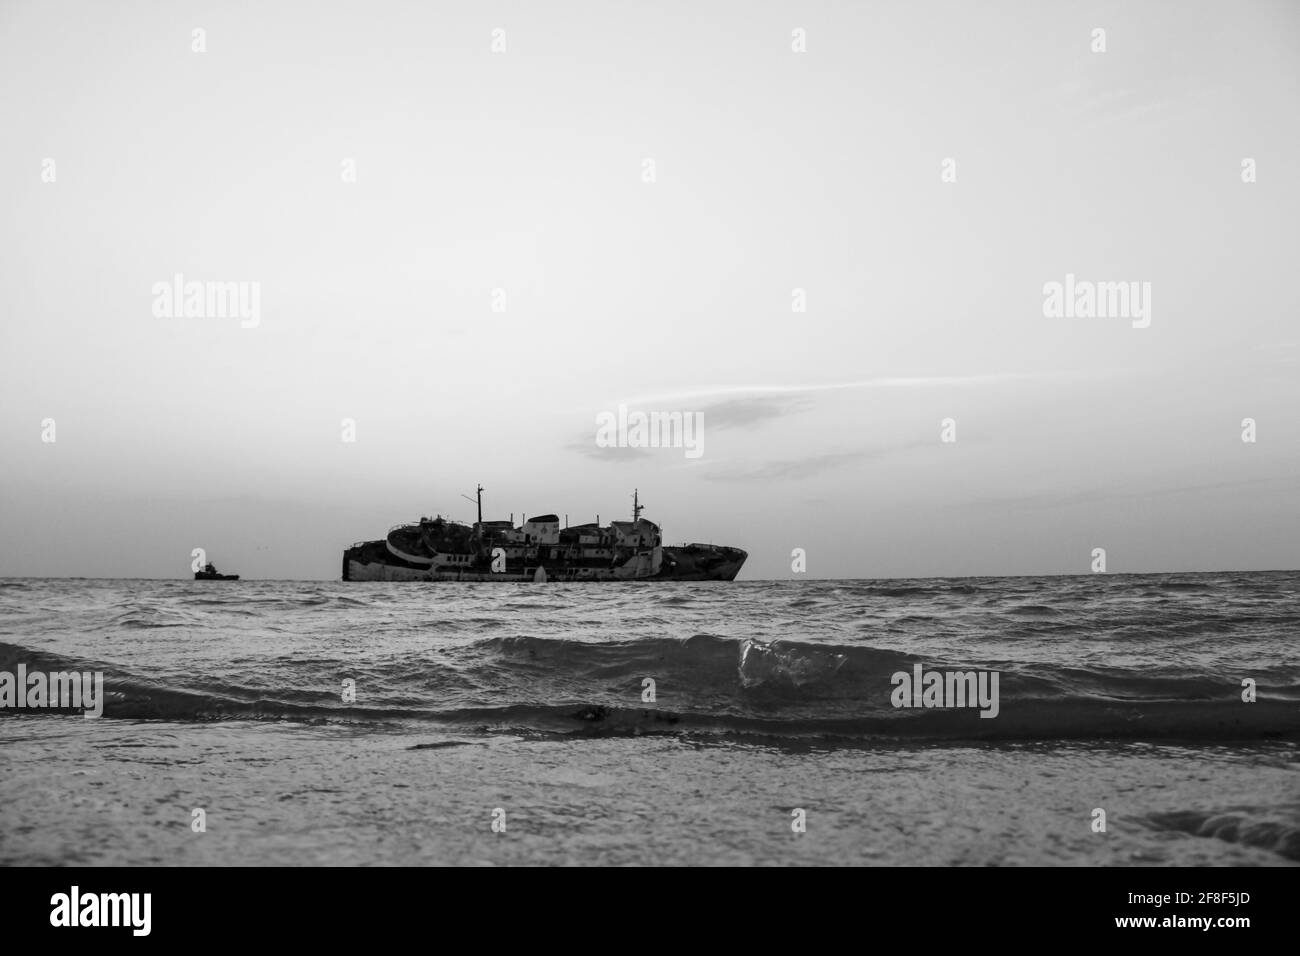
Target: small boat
(210, 573)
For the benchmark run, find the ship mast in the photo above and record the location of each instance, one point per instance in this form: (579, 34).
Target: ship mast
(479, 500)
(636, 506)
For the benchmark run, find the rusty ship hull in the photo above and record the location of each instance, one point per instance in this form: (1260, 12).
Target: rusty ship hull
(372, 561)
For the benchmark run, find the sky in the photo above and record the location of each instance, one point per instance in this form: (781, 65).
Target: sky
(826, 228)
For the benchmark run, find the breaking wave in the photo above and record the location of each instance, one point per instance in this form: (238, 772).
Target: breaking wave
(1246, 826)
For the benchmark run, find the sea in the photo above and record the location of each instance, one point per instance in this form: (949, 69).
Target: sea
(1101, 720)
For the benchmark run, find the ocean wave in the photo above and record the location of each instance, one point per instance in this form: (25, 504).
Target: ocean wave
(704, 683)
(1034, 610)
(1246, 826)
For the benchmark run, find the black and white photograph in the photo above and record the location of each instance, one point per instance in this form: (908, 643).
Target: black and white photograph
(651, 435)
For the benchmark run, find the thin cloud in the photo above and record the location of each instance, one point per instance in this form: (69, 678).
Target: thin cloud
(753, 410)
(751, 406)
(809, 465)
(1095, 495)
(918, 381)
(613, 453)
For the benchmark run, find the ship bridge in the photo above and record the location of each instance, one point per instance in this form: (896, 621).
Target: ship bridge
(542, 529)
